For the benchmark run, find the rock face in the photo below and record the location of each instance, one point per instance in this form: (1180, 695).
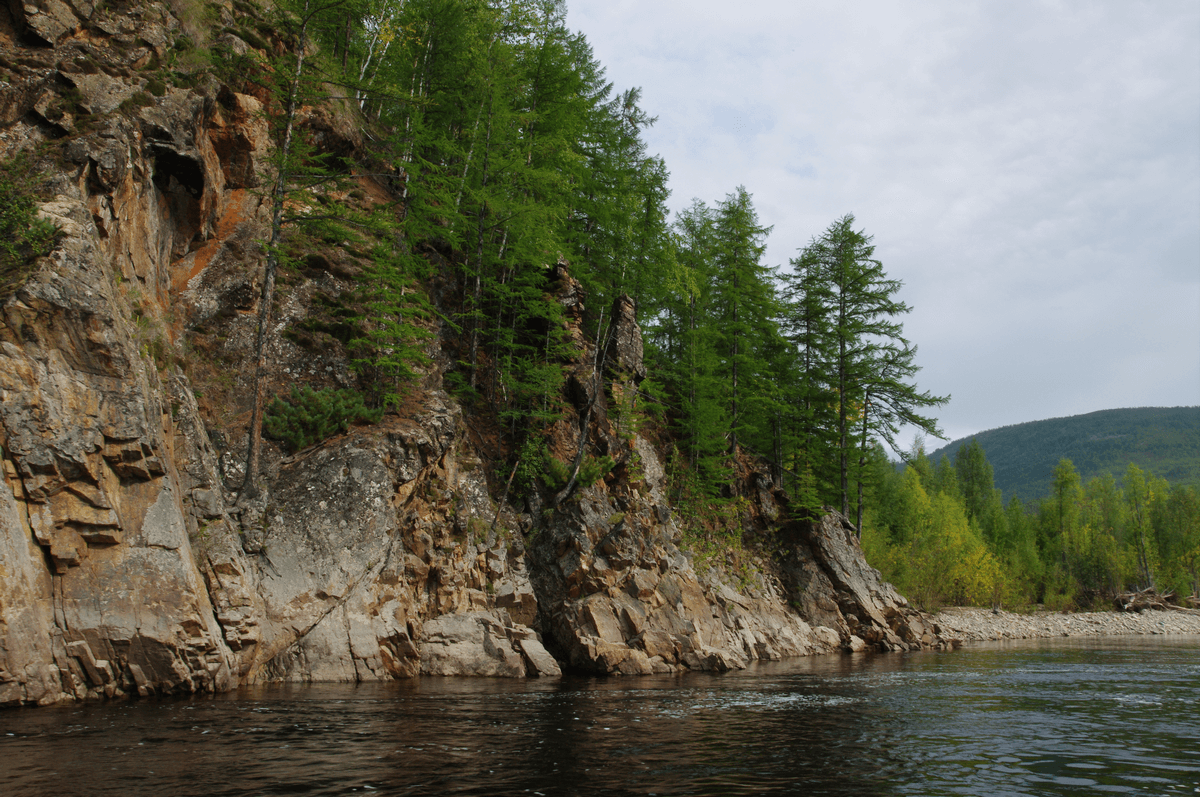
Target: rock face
(127, 566)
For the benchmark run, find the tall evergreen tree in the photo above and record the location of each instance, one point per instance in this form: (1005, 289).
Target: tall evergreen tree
(975, 478)
(858, 350)
(807, 303)
(744, 309)
(694, 342)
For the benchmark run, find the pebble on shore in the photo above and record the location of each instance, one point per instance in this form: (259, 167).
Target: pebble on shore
(979, 625)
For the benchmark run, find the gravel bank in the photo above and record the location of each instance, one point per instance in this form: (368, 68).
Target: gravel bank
(977, 625)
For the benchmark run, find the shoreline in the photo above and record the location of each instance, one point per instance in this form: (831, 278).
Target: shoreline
(971, 624)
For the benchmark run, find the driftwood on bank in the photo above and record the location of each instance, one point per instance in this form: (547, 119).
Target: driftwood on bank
(1149, 599)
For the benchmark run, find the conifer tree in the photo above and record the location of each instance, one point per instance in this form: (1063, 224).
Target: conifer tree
(868, 361)
(703, 423)
(744, 309)
(889, 400)
(974, 478)
(807, 301)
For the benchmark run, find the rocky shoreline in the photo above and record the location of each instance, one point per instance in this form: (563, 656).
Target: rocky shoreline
(981, 625)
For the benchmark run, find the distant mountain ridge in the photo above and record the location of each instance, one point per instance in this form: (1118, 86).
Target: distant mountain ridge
(1164, 441)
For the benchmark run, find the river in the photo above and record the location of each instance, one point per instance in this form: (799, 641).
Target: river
(1044, 717)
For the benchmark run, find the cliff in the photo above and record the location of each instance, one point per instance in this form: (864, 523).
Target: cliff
(128, 564)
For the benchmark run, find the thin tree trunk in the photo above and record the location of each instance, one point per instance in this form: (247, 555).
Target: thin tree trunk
(416, 89)
(462, 182)
(734, 356)
(250, 487)
(346, 41)
(376, 35)
(692, 379)
(862, 463)
(843, 442)
(478, 292)
(503, 499)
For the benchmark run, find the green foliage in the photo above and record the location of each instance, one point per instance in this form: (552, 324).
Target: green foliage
(24, 237)
(856, 364)
(930, 550)
(1077, 548)
(507, 152)
(308, 416)
(557, 473)
(195, 16)
(391, 344)
(139, 99)
(708, 523)
(809, 377)
(232, 68)
(713, 337)
(530, 465)
(537, 465)
(806, 495)
(593, 469)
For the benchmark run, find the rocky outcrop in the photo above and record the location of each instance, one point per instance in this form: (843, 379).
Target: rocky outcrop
(368, 541)
(129, 566)
(830, 582)
(102, 594)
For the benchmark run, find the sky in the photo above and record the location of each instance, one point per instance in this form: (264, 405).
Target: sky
(1029, 170)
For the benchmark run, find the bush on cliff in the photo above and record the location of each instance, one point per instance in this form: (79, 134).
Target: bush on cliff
(309, 416)
(23, 236)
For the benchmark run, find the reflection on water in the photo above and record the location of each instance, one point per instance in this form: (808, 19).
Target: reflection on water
(1048, 717)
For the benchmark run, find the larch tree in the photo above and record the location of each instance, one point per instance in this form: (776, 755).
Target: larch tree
(807, 300)
(857, 350)
(744, 311)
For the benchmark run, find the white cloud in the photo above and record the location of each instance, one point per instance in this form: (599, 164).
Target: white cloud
(1030, 170)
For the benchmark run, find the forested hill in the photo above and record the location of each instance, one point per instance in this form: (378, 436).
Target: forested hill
(1162, 440)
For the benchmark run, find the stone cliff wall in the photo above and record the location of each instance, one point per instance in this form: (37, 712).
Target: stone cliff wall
(126, 565)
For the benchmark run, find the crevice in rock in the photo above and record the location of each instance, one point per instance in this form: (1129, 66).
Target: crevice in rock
(180, 179)
(60, 614)
(350, 644)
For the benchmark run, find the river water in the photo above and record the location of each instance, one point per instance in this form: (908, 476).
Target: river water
(1069, 717)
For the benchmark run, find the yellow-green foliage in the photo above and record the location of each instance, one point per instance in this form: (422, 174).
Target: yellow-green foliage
(938, 558)
(1076, 549)
(536, 464)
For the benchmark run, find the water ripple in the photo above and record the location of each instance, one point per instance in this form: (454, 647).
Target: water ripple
(1039, 719)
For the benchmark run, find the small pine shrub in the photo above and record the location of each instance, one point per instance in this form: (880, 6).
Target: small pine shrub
(309, 416)
(556, 473)
(23, 236)
(530, 465)
(591, 470)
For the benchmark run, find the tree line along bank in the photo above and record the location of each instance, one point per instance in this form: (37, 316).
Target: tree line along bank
(943, 535)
